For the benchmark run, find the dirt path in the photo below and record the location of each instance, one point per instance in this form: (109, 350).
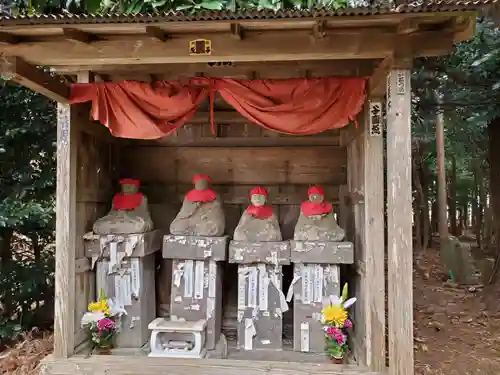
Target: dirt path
(454, 332)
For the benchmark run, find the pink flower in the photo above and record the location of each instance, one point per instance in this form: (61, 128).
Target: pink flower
(340, 338)
(348, 324)
(105, 324)
(333, 331)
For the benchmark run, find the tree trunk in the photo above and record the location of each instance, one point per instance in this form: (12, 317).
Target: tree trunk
(494, 162)
(452, 201)
(441, 179)
(425, 178)
(478, 220)
(417, 205)
(5, 245)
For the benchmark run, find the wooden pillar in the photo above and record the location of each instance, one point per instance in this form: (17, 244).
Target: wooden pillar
(399, 222)
(374, 235)
(68, 137)
(64, 313)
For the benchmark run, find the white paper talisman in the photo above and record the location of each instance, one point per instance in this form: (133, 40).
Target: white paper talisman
(263, 288)
(118, 290)
(188, 279)
(307, 290)
(212, 274)
(198, 279)
(242, 281)
(135, 279)
(127, 290)
(318, 283)
(304, 337)
(252, 287)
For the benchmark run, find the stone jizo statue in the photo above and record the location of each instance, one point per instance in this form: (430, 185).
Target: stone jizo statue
(129, 213)
(201, 212)
(316, 221)
(258, 223)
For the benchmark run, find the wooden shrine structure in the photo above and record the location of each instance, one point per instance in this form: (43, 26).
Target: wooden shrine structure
(379, 44)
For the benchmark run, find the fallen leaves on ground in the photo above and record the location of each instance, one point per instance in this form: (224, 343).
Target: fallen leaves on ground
(454, 332)
(23, 359)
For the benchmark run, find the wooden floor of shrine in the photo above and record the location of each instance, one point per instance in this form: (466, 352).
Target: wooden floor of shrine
(141, 365)
(235, 362)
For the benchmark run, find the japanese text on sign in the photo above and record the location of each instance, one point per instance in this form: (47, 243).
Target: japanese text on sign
(375, 119)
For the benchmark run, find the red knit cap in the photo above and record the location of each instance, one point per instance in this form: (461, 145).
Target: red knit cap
(258, 190)
(316, 190)
(201, 177)
(130, 181)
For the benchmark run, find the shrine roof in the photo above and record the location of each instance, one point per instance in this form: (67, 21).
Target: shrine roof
(439, 6)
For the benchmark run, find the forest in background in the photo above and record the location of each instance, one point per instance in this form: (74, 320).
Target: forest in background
(466, 84)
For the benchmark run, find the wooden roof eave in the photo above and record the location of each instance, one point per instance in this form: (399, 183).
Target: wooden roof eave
(75, 47)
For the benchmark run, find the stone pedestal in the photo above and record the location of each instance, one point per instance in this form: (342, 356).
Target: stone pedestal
(261, 302)
(125, 270)
(316, 277)
(196, 292)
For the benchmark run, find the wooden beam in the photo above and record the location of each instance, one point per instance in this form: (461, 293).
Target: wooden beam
(408, 26)
(66, 242)
(399, 223)
(157, 33)
(34, 78)
(236, 31)
(368, 43)
(377, 82)
(374, 245)
(271, 69)
(79, 36)
(6, 38)
(319, 29)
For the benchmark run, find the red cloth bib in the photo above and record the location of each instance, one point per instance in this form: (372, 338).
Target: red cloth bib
(123, 201)
(262, 212)
(206, 195)
(310, 208)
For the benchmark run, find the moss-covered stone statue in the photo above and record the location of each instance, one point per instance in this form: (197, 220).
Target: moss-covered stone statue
(201, 213)
(129, 213)
(258, 223)
(316, 221)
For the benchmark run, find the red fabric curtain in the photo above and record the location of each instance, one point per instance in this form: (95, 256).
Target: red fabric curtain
(293, 106)
(296, 106)
(139, 110)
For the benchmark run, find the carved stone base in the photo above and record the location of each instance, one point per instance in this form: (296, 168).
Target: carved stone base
(322, 252)
(261, 304)
(177, 339)
(243, 252)
(137, 245)
(196, 294)
(134, 286)
(312, 285)
(195, 247)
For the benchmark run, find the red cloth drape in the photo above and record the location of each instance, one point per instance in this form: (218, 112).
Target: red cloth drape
(292, 106)
(139, 110)
(296, 106)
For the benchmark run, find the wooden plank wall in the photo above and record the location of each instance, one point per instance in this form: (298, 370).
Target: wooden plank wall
(95, 185)
(286, 165)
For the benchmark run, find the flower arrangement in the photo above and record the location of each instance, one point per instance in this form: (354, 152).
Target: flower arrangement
(335, 322)
(101, 322)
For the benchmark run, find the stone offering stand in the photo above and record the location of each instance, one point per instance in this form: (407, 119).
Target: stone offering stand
(261, 302)
(125, 271)
(196, 291)
(316, 277)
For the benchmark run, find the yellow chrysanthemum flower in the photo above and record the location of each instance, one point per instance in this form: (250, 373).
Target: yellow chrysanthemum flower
(335, 314)
(100, 306)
